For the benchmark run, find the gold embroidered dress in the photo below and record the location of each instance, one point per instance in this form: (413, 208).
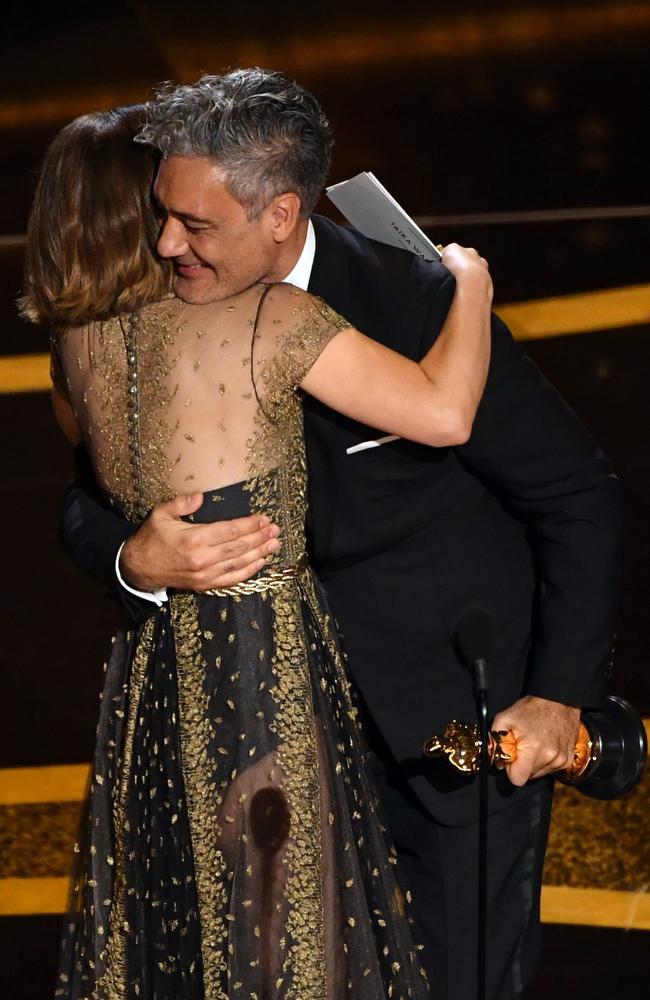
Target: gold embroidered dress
(233, 845)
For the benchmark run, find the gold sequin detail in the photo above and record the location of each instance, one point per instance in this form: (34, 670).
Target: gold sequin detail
(196, 739)
(113, 982)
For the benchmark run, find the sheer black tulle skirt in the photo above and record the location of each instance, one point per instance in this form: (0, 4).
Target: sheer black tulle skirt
(233, 845)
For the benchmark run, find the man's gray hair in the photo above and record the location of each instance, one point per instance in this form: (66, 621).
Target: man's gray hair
(267, 134)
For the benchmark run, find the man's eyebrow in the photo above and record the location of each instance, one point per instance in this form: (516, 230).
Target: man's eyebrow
(187, 216)
(193, 218)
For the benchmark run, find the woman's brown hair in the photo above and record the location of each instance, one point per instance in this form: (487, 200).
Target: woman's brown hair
(92, 229)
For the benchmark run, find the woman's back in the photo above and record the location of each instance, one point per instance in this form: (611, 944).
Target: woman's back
(180, 398)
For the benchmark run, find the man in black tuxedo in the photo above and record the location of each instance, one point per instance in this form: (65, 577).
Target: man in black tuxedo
(522, 521)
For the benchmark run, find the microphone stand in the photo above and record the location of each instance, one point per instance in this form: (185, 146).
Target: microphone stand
(476, 641)
(481, 696)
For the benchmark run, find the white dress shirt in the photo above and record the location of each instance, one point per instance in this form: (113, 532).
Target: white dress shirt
(299, 277)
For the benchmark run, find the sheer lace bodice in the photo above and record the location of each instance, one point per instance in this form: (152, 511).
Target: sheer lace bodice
(181, 398)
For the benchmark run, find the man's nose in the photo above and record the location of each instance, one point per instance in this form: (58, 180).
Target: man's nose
(172, 241)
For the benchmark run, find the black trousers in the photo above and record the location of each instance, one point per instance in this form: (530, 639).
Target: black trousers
(439, 865)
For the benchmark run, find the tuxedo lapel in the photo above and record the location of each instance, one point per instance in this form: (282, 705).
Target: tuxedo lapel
(344, 273)
(330, 275)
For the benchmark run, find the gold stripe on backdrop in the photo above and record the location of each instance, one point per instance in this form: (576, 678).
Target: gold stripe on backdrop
(22, 897)
(585, 313)
(588, 312)
(25, 373)
(54, 783)
(596, 907)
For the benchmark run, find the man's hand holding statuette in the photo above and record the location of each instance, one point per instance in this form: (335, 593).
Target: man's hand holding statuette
(546, 733)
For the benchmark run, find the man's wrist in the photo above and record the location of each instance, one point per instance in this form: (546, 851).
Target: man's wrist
(157, 597)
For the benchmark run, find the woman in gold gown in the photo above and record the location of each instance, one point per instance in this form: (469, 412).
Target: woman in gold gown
(233, 845)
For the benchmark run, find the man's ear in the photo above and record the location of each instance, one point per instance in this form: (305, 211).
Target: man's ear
(284, 215)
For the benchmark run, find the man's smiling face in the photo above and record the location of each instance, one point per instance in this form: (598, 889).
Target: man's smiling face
(216, 250)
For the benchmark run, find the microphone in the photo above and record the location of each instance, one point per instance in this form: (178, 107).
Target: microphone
(476, 639)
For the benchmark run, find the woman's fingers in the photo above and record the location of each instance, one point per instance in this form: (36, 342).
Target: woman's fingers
(463, 260)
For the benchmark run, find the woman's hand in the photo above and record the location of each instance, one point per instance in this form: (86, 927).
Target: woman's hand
(466, 264)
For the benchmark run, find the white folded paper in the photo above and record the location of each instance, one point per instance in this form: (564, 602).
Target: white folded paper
(374, 212)
(374, 443)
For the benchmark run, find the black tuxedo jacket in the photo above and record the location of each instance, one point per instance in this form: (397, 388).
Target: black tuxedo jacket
(523, 520)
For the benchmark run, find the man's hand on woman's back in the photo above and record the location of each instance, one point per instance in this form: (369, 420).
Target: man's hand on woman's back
(169, 552)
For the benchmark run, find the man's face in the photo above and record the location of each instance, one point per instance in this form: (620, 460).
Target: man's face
(216, 251)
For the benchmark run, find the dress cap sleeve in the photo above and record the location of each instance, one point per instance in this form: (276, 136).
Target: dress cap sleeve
(292, 329)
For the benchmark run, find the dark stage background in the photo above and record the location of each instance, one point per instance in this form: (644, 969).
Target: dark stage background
(480, 118)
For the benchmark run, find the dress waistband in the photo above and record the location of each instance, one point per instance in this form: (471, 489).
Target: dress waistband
(272, 580)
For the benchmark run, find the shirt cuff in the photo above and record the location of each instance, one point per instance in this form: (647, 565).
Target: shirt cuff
(156, 596)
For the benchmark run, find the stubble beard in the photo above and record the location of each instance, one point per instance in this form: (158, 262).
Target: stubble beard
(212, 288)
(199, 293)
